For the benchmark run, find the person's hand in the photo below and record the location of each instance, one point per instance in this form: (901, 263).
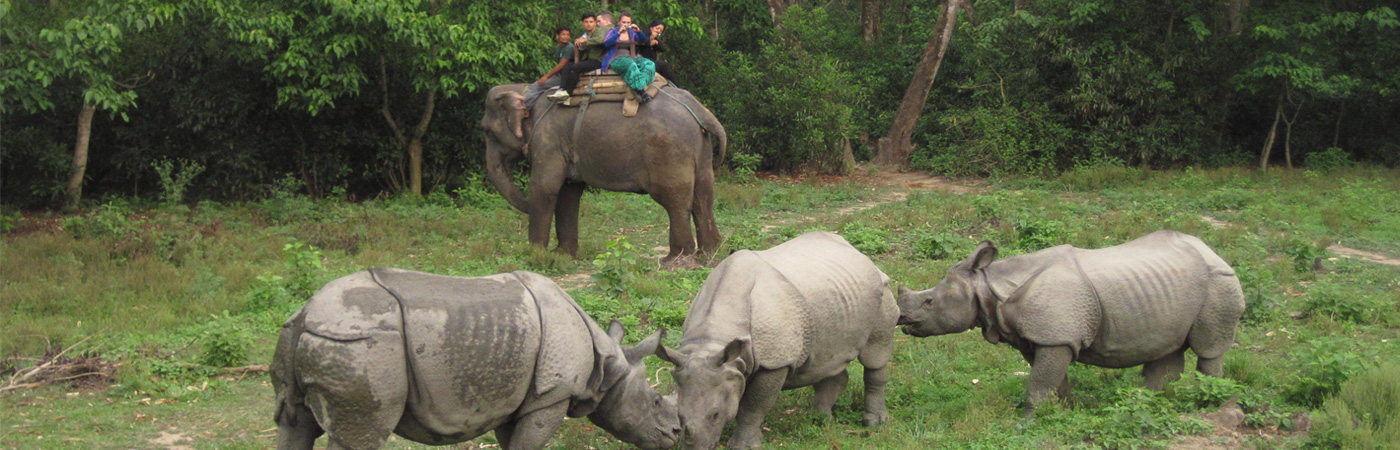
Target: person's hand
(654, 42)
(579, 42)
(541, 82)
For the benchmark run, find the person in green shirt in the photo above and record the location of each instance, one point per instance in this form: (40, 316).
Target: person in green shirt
(563, 53)
(590, 47)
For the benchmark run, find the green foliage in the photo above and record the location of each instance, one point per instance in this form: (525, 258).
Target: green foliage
(1135, 416)
(1327, 362)
(937, 246)
(111, 220)
(1196, 391)
(1260, 304)
(986, 141)
(1329, 160)
(1303, 254)
(1329, 299)
(304, 267)
(223, 348)
(615, 267)
(744, 164)
(1364, 414)
(476, 193)
(175, 177)
(1035, 232)
(870, 241)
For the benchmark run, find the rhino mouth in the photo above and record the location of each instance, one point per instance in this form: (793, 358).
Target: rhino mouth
(912, 329)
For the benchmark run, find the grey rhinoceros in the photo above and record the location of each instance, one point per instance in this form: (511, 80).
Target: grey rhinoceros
(1142, 302)
(791, 316)
(440, 360)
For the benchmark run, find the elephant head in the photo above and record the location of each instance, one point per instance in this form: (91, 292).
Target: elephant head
(506, 136)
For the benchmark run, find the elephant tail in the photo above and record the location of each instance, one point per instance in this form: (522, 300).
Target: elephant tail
(717, 131)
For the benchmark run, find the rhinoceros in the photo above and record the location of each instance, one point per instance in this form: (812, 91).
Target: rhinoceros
(440, 360)
(791, 316)
(1142, 302)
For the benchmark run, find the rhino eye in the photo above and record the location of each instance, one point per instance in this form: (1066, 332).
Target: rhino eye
(714, 416)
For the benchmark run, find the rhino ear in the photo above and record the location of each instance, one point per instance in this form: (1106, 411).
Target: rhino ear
(616, 331)
(983, 255)
(646, 347)
(734, 354)
(670, 355)
(903, 291)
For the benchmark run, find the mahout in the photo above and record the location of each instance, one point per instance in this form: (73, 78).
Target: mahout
(440, 360)
(791, 316)
(1143, 302)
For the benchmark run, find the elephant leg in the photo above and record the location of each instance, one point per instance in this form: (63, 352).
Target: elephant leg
(566, 217)
(759, 396)
(1048, 372)
(544, 193)
(1156, 374)
(676, 200)
(827, 391)
(702, 210)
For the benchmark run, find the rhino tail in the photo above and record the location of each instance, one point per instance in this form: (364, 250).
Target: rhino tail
(286, 383)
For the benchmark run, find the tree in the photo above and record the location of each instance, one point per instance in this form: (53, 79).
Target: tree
(894, 149)
(321, 51)
(73, 41)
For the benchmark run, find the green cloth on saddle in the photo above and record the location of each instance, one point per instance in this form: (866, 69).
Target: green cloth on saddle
(638, 72)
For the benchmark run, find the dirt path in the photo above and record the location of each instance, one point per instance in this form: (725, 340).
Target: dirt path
(1339, 249)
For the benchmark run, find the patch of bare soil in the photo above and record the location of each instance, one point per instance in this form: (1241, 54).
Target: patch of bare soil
(1348, 252)
(1339, 249)
(1231, 433)
(171, 441)
(575, 280)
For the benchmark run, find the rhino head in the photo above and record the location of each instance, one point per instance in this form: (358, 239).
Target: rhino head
(952, 305)
(710, 383)
(632, 410)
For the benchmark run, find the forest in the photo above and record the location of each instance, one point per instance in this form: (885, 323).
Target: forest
(224, 100)
(179, 177)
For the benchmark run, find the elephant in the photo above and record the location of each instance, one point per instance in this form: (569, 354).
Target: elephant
(440, 360)
(665, 151)
(1143, 302)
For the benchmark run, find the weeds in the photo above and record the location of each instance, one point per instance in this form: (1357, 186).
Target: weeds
(1364, 414)
(615, 266)
(175, 178)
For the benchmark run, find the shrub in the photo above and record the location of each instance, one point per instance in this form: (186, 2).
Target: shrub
(112, 219)
(1328, 160)
(744, 164)
(1331, 300)
(615, 267)
(224, 348)
(1035, 233)
(1327, 362)
(175, 177)
(1196, 391)
(1303, 254)
(936, 246)
(1136, 415)
(1364, 414)
(1099, 175)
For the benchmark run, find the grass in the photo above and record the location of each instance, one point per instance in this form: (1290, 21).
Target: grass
(168, 289)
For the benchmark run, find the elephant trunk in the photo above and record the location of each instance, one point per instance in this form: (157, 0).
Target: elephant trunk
(500, 177)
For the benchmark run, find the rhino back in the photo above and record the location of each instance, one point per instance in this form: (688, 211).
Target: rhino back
(812, 299)
(471, 345)
(1152, 291)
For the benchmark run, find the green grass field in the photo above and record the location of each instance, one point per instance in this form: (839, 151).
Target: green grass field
(174, 293)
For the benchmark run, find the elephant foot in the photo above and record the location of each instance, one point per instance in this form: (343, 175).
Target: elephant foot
(686, 262)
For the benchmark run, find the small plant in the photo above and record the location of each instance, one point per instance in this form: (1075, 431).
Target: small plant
(1138, 414)
(1327, 362)
(112, 219)
(1196, 391)
(8, 220)
(870, 241)
(615, 265)
(477, 194)
(1259, 306)
(303, 263)
(175, 177)
(936, 246)
(744, 165)
(1303, 254)
(223, 348)
(1328, 299)
(1328, 160)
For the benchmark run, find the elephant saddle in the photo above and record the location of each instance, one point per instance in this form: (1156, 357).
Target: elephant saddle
(609, 87)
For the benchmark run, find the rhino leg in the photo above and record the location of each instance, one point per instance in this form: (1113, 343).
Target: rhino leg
(759, 396)
(827, 391)
(357, 389)
(1062, 391)
(532, 431)
(875, 412)
(1156, 374)
(1048, 372)
(1214, 367)
(298, 430)
(875, 356)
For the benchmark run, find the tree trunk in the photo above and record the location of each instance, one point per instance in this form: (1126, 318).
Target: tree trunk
(1273, 131)
(894, 150)
(1288, 133)
(775, 9)
(1337, 129)
(870, 20)
(80, 157)
(1234, 16)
